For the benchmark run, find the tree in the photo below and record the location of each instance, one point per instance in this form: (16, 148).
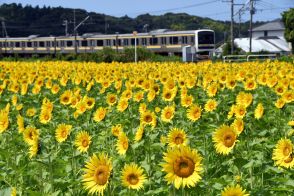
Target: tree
(288, 19)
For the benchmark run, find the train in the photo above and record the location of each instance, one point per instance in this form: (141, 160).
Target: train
(161, 41)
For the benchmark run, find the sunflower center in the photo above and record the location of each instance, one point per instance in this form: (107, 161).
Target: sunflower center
(85, 143)
(125, 144)
(183, 167)
(229, 140)
(168, 114)
(179, 139)
(89, 103)
(112, 100)
(148, 118)
(101, 175)
(133, 179)
(286, 151)
(289, 159)
(168, 95)
(63, 133)
(65, 99)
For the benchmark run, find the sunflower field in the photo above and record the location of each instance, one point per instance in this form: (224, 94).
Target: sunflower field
(69, 128)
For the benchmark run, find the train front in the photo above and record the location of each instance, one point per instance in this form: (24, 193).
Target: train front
(204, 44)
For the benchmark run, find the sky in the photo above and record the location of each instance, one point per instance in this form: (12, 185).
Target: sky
(215, 9)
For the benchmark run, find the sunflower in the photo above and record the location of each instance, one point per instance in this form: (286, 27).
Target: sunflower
(65, 98)
(47, 105)
(250, 84)
(81, 107)
(4, 120)
(168, 113)
(20, 123)
(210, 105)
(31, 112)
(31, 135)
(133, 176)
(288, 96)
(234, 191)
(240, 111)
(283, 153)
(212, 89)
(90, 101)
(142, 108)
(139, 133)
(194, 113)
(127, 94)
(116, 130)
(122, 105)
(280, 89)
(139, 96)
(224, 138)
(186, 101)
(258, 112)
(169, 95)
(55, 88)
(122, 144)
(14, 100)
(291, 123)
(151, 95)
(34, 149)
(183, 166)
(83, 141)
(100, 114)
(238, 125)
(177, 137)
(97, 173)
(244, 99)
(231, 83)
(280, 103)
(148, 118)
(45, 117)
(62, 132)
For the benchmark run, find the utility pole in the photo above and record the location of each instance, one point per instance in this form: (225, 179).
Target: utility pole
(239, 25)
(232, 26)
(65, 23)
(75, 32)
(252, 11)
(4, 31)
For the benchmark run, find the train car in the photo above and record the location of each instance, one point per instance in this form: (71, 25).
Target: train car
(159, 41)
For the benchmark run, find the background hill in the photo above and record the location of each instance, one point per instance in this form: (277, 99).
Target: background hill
(27, 20)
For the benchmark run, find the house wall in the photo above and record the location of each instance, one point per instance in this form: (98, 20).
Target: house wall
(257, 34)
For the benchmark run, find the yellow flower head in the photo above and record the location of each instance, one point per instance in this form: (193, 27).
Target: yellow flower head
(97, 173)
(224, 139)
(62, 132)
(234, 190)
(83, 141)
(177, 137)
(194, 113)
(100, 114)
(182, 166)
(133, 176)
(122, 144)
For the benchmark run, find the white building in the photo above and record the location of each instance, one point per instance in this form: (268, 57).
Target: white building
(268, 37)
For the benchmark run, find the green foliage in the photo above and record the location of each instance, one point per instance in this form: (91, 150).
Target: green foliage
(288, 19)
(227, 49)
(27, 20)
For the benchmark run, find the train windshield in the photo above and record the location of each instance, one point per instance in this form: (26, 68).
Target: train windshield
(205, 37)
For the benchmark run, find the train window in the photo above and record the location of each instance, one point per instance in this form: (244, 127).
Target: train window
(108, 42)
(154, 41)
(61, 43)
(100, 42)
(205, 37)
(192, 38)
(132, 41)
(69, 43)
(114, 42)
(184, 39)
(17, 44)
(29, 44)
(84, 43)
(163, 40)
(126, 42)
(42, 44)
(173, 40)
(35, 44)
(119, 42)
(23, 44)
(48, 44)
(0, 44)
(144, 41)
